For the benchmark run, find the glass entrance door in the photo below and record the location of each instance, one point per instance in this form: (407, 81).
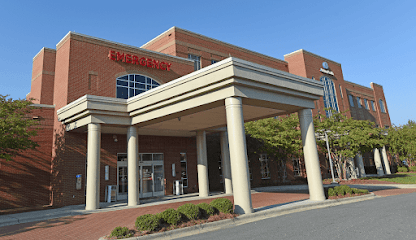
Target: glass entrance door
(152, 179)
(146, 180)
(122, 182)
(151, 175)
(158, 180)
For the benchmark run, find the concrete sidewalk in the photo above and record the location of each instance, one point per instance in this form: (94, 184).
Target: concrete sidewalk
(74, 210)
(73, 222)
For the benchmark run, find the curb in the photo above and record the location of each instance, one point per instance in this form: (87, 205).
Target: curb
(248, 218)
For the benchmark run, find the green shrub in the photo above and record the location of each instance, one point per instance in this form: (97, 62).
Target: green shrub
(148, 222)
(339, 190)
(189, 210)
(170, 216)
(358, 191)
(223, 205)
(331, 192)
(412, 169)
(205, 209)
(402, 169)
(121, 232)
(348, 190)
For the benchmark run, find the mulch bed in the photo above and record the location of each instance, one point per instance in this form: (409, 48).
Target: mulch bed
(347, 195)
(166, 227)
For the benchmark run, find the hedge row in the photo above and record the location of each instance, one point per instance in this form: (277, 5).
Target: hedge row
(344, 189)
(186, 212)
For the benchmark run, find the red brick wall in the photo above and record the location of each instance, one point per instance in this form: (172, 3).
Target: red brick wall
(91, 58)
(25, 180)
(384, 118)
(208, 49)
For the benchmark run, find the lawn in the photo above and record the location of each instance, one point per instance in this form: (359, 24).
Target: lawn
(396, 178)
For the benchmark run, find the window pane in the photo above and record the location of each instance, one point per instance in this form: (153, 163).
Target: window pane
(372, 105)
(131, 92)
(131, 84)
(139, 91)
(358, 102)
(140, 78)
(122, 83)
(157, 156)
(125, 77)
(154, 83)
(383, 110)
(146, 157)
(122, 92)
(351, 100)
(131, 77)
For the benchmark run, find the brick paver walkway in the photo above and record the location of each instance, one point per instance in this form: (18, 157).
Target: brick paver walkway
(96, 225)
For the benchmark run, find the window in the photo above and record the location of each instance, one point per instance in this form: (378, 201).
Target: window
(197, 61)
(366, 104)
(351, 100)
(296, 167)
(264, 166)
(382, 109)
(358, 102)
(184, 170)
(330, 97)
(373, 106)
(133, 84)
(213, 61)
(340, 90)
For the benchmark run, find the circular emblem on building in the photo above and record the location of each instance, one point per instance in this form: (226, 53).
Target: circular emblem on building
(325, 65)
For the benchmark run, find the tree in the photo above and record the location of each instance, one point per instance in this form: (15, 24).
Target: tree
(347, 137)
(280, 137)
(16, 129)
(402, 141)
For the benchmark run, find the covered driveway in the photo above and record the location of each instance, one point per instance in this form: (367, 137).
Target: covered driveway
(221, 96)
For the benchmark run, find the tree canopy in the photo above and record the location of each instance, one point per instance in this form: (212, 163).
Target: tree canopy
(402, 141)
(280, 136)
(16, 129)
(347, 137)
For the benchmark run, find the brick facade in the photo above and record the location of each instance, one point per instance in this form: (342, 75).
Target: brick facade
(81, 65)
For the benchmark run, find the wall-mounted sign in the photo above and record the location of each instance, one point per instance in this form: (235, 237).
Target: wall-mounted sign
(325, 65)
(133, 59)
(327, 71)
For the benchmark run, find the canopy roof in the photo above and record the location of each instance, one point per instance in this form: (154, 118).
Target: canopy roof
(196, 101)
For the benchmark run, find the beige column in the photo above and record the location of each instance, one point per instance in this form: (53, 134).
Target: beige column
(238, 155)
(377, 161)
(385, 160)
(360, 165)
(132, 166)
(313, 170)
(202, 159)
(92, 201)
(225, 163)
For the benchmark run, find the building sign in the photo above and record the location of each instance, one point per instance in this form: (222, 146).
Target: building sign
(327, 71)
(133, 59)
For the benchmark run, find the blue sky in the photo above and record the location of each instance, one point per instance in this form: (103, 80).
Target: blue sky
(373, 40)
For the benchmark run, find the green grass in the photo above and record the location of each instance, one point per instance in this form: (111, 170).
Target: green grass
(396, 178)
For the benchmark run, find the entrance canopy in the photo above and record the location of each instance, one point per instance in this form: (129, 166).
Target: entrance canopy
(195, 102)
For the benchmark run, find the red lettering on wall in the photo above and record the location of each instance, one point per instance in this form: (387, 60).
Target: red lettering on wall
(163, 65)
(156, 64)
(111, 55)
(133, 59)
(120, 57)
(128, 58)
(143, 61)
